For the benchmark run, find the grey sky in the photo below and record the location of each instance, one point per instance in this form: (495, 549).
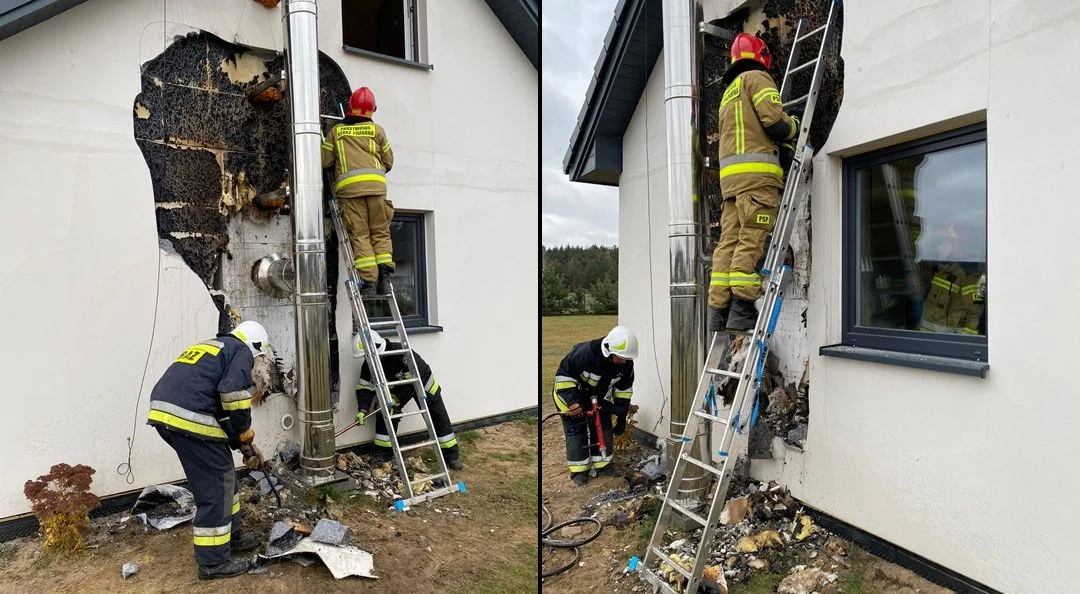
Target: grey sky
(573, 34)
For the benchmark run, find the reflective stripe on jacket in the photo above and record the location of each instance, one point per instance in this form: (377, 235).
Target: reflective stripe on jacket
(752, 122)
(206, 392)
(952, 304)
(360, 149)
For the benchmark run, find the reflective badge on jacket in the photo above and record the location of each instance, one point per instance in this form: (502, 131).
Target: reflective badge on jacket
(192, 355)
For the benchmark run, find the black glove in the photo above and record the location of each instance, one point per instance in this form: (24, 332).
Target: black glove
(787, 155)
(620, 425)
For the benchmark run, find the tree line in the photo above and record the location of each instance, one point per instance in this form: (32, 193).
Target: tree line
(580, 281)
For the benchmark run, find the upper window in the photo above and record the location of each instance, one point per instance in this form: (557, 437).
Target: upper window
(915, 247)
(385, 27)
(410, 272)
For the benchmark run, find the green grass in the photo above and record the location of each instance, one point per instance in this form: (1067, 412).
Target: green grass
(521, 457)
(759, 583)
(527, 418)
(514, 570)
(468, 438)
(515, 499)
(559, 334)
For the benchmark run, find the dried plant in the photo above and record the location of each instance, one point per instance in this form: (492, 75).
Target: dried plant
(61, 501)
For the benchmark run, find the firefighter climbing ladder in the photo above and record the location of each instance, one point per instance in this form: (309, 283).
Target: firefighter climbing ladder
(382, 386)
(748, 376)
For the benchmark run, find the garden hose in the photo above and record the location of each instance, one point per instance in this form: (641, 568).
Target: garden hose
(565, 544)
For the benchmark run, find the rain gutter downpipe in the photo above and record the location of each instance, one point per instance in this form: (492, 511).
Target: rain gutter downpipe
(682, 60)
(310, 301)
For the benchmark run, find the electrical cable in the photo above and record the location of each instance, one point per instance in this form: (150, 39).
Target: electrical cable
(124, 468)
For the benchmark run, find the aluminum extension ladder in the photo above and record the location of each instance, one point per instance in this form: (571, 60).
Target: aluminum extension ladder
(704, 407)
(382, 386)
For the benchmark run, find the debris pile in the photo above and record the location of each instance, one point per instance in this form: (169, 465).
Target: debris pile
(329, 541)
(381, 481)
(763, 528)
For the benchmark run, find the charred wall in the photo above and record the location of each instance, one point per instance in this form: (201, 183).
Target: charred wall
(210, 151)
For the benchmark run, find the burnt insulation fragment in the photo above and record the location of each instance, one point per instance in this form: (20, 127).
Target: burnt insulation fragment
(198, 133)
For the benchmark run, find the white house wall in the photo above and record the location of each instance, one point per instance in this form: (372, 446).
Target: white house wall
(938, 463)
(78, 285)
(644, 273)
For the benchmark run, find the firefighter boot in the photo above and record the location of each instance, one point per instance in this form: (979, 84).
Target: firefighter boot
(580, 478)
(367, 290)
(383, 287)
(231, 568)
(743, 316)
(243, 541)
(717, 319)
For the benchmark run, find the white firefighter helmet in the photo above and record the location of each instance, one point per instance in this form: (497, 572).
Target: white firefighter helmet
(358, 344)
(254, 336)
(620, 341)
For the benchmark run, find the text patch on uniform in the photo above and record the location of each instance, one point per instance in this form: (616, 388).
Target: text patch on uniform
(763, 219)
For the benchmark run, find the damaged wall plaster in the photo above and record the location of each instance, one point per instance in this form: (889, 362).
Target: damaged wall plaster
(210, 151)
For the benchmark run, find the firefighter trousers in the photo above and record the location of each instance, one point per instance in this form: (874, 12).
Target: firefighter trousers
(745, 224)
(369, 232)
(582, 442)
(444, 430)
(211, 478)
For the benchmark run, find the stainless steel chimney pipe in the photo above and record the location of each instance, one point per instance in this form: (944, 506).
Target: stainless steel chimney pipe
(681, 45)
(310, 302)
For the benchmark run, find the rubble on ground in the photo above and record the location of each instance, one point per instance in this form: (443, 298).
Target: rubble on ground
(381, 481)
(763, 528)
(129, 569)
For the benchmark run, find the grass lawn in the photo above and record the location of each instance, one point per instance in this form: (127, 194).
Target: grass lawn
(558, 334)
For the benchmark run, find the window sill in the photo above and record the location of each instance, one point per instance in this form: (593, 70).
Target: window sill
(392, 59)
(933, 363)
(423, 329)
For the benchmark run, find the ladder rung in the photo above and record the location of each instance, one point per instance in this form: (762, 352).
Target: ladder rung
(383, 324)
(375, 297)
(429, 478)
(713, 418)
(411, 413)
(702, 465)
(725, 373)
(802, 67)
(393, 352)
(397, 383)
(812, 33)
(682, 510)
(417, 446)
(665, 559)
(794, 102)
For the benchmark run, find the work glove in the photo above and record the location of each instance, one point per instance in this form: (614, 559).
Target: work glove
(246, 437)
(620, 425)
(361, 417)
(798, 124)
(574, 411)
(253, 458)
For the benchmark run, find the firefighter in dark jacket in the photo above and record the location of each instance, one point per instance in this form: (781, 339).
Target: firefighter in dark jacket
(201, 407)
(595, 369)
(752, 125)
(396, 368)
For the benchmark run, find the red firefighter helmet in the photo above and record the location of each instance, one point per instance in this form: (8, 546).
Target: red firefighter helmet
(362, 103)
(749, 47)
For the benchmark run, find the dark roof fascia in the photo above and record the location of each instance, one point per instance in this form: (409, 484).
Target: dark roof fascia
(521, 18)
(598, 160)
(17, 16)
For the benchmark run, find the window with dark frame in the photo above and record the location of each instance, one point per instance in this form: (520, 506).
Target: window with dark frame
(386, 27)
(410, 273)
(915, 275)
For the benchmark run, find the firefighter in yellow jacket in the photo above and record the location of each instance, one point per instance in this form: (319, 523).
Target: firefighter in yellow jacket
(752, 124)
(360, 149)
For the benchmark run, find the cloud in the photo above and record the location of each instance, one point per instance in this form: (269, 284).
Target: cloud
(573, 36)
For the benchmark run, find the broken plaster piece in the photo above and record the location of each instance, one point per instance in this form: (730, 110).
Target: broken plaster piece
(164, 506)
(342, 561)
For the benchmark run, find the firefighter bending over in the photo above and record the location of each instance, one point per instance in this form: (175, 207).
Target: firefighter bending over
(360, 149)
(752, 122)
(396, 368)
(590, 370)
(201, 407)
